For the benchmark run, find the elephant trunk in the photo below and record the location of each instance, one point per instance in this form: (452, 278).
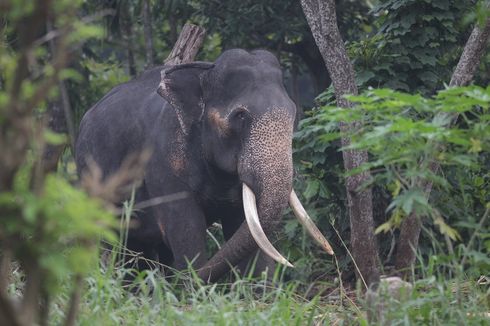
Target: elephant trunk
(254, 233)
(273, 199)
(266, 170)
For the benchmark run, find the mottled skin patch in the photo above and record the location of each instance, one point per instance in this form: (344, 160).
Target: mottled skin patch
(177, 158)
(219, 122)
(268, 154)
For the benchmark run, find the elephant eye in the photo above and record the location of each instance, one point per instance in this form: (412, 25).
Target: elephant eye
(239, 114)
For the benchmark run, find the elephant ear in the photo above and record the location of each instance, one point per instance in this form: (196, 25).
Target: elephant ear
(180, 86)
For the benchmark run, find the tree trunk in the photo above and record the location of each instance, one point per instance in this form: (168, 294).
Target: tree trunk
(172, 21)
(149, 50)
(14, 148)
(322, 20)
(127, 33)
(462, 75)
(59, 119)
(188, 44)
(295, 93)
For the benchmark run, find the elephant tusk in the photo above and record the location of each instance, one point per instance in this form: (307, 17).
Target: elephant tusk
(307, 222)
(252, 218)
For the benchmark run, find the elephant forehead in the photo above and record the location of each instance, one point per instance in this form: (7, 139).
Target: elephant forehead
(228, 83)
(248, 75)
(235, 56)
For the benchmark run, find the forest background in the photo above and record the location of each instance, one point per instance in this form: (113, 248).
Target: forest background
(63, 56)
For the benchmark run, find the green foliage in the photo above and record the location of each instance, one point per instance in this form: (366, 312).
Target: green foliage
(319, 184)
(435, 300)
(182, 300)
(271, 24)
(404, 135)
(416, 45)
(59, 227)
(251, 23)
(48, 227)
(100, 79)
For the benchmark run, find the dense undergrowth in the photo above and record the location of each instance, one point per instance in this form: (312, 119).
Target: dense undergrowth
(183, 300)
(444, 293)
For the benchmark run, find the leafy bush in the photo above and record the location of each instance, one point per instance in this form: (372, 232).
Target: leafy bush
(48, 228)
(404, 135)
(415, 46)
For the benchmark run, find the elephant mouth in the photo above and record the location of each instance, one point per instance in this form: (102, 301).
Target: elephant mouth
(253, 222)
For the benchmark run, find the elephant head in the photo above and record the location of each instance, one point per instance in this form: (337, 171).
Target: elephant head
(239, 109)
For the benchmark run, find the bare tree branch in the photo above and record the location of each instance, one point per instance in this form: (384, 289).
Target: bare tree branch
(60, 118)
(322, 20)
(54, 33)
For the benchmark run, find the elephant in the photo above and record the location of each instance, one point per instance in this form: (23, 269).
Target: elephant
(221, 133)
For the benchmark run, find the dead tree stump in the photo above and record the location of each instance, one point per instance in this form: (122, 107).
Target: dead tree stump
(188, 44)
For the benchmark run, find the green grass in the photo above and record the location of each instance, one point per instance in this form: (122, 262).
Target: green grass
(443, 294)
(183, 300)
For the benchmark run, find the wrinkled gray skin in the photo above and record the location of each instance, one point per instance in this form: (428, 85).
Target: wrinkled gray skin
(211, 127)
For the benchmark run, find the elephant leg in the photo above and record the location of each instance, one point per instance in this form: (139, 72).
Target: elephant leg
(180, 222)
(258, 260)
(183, 228)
